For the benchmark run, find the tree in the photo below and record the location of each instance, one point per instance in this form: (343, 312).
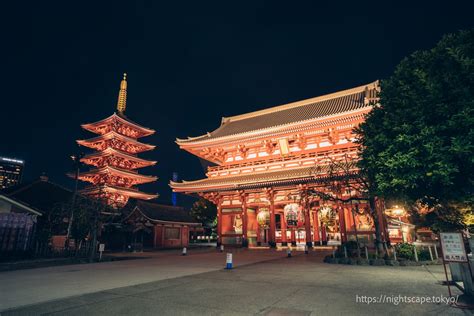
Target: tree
(344, 174)
(418, 143)
(204, 212)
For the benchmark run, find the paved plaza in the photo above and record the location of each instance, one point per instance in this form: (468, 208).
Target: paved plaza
(263, 282)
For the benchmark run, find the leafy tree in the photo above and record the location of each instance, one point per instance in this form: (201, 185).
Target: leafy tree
(418, 144)
(205, 212)
(345, 175)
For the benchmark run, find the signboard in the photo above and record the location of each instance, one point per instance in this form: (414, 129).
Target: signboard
(453, 247)
(101, 247)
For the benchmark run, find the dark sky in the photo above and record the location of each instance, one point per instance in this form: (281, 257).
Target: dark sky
(189, 64)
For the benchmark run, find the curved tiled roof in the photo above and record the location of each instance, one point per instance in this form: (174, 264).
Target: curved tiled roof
(40, 194)
(319, 107)
(255, 179)
(120, 117)
(161, 212)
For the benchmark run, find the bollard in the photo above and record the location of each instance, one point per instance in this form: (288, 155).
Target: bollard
(415, 253)
(222, 248)
(306, 249)
(436, 252)
(288, 252)
(431, 253)
(394, 254)
(184, 251)
(333, 252)
(366, 253)
(376, 252)
(345, 252)
(228, 261)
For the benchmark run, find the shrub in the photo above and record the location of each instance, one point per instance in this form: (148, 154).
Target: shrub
(406, 251)
(424, 255)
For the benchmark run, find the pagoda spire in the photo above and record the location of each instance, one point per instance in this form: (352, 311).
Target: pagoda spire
(122, 98)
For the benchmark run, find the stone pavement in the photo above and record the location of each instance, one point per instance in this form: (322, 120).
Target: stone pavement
(264, 282)
(23, 287)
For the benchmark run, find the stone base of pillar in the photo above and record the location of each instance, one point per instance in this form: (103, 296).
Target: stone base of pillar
(259, 243)
(284, 243)
(293, 243)
(309, 244)
(324, 242)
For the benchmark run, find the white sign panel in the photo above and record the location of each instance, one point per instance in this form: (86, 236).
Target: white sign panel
(101, 247)
(453, 247)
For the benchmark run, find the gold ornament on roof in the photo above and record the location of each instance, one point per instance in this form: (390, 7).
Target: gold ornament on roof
(122, 98)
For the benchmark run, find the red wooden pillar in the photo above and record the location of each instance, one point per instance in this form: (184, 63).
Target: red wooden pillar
(293, 236)
(307, 227)
(342, 224)
(271, 237)
(259, 237)
(316, 227)
(283, 230)
(244, 220)
(323, 234)
(219, 222)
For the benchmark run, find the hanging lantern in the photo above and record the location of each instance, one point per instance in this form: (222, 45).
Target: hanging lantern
(263, 218)
(291, 214)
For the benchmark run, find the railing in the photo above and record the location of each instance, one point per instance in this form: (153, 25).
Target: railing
(319, 156)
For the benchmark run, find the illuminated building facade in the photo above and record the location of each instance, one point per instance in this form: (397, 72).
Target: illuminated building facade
(11, 172)
(115, 162)
(267, 159)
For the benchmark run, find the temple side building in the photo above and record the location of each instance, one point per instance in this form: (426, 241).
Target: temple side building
(266, 159)
(114, 162)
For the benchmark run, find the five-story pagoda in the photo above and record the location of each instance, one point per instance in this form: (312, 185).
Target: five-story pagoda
(114, 162)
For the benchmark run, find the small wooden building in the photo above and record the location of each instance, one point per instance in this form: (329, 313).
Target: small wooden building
(161, 226)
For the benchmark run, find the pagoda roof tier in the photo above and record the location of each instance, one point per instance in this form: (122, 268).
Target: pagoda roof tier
(118, 123)
(94, 159)
(121, 142)
(251, 180)
(93, 176)
(284, 116)
(129, 192)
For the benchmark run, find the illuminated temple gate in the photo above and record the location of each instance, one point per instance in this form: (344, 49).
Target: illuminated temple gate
(266, 159)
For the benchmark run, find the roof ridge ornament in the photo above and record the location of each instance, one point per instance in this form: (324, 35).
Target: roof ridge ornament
(122, 98)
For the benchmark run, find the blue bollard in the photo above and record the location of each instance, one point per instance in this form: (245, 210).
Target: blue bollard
(229, 261)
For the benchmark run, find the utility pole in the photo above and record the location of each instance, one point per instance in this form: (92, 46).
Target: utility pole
(77, 166)
(97, 211)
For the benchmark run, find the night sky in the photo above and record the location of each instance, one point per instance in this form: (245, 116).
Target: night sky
(189, 64)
